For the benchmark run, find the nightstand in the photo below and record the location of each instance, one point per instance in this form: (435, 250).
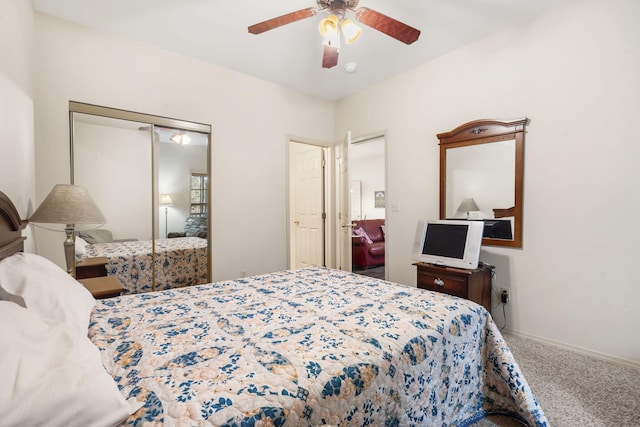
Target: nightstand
(103, 287)
(474, 285)
(91, 267)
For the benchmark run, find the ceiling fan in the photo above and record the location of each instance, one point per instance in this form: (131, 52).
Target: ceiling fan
(336, 23)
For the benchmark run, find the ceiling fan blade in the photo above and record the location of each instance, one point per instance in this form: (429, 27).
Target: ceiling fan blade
(330, 56)
(279, 21)
(387, 25)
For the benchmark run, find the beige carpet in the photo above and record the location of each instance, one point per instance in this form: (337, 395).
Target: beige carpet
(575, 390)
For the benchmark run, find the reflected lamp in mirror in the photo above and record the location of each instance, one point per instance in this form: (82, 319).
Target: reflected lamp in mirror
(468, 205)
(181, 138)
(165, 202)
(69, 205)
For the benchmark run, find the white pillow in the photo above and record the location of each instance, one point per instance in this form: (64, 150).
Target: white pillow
(53, 376)
(81, 247)
(41, 286)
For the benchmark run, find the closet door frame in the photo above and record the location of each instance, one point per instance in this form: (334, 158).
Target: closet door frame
(151, 120)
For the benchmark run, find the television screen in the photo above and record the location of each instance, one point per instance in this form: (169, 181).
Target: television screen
(446, 240)
(448, 243)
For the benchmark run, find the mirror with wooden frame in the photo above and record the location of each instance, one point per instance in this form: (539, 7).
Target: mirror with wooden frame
(481, 177)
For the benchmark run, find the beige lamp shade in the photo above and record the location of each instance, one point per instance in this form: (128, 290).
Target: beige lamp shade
(68, 204)
(165, 200)
(468, 205)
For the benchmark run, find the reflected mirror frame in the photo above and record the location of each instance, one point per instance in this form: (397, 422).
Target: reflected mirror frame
(115, 113)
(483, 132)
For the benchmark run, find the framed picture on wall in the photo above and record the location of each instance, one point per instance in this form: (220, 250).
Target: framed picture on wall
(379, 199)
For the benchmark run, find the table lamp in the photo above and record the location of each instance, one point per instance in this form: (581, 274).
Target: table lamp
(69, 205)
(468, 205)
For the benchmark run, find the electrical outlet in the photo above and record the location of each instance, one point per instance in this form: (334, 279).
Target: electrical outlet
(504, 295)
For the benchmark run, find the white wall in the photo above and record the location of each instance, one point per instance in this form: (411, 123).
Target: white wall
(17, 174)
(114, 164)
(484, 173)
(176, 164)
(250, 120)
(575, 74)
(370, 172)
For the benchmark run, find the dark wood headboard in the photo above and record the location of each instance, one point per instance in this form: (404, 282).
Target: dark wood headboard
(11, 240)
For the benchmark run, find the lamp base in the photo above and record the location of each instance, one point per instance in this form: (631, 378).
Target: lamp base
(70, 249)
(166, 222)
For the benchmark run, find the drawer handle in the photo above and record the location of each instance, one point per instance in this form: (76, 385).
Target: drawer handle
(438, 282)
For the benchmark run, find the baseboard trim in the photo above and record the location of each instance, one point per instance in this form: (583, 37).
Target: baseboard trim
(576, 349)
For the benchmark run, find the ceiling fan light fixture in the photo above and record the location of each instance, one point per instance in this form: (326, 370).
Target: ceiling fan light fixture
(181, 138)
(350, 31)
(336, 23)
(329, 26)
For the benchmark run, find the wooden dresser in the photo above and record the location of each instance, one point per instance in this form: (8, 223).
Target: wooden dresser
(474, 285)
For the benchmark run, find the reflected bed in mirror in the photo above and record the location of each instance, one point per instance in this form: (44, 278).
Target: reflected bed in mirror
(481, 166)
(145, 265)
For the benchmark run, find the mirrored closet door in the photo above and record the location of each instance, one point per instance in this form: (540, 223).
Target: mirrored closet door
(149, 176)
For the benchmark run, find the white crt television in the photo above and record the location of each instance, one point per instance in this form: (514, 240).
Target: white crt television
(449, 243)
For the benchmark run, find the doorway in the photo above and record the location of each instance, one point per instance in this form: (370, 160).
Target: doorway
(367, 174)
(335, 199)
(307, 205)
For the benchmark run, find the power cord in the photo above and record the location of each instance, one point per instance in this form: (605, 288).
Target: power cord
(496, 297)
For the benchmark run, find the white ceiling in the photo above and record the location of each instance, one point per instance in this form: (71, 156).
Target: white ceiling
(216, 31)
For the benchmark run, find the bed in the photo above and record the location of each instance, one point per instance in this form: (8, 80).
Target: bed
(304, 347)
(178, 262)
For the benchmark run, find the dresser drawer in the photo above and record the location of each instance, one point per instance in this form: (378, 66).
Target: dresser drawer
(474, 285)
(449, 285)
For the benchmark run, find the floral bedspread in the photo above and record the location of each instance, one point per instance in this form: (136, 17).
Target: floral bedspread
(309, 347)
(179, 262)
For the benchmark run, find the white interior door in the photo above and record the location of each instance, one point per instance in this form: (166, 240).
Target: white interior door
(355, 193)
(344, 215)
(307, 191)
